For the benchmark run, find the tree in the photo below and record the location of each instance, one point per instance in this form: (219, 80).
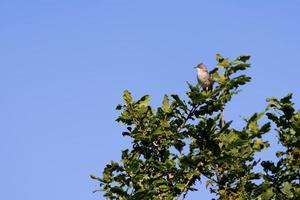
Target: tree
(178, 144)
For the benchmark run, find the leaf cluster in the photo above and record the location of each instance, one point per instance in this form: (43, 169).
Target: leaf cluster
(186, 140)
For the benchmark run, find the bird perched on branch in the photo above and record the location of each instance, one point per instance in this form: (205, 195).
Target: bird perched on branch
(204, 78)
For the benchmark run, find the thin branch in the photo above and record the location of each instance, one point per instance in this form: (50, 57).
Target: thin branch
(185, 191)
(188, 116)
(222, 120)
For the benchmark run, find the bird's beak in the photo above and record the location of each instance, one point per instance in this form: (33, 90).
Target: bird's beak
(194, 67)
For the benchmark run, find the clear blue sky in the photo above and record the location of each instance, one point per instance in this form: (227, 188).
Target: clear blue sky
(64, 65)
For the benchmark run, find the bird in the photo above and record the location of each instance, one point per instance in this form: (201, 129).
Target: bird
(204, 78)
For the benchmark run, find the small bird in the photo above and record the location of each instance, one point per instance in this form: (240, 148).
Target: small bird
(204, 78)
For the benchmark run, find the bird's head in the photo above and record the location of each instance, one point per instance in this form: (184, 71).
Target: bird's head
(201, 66)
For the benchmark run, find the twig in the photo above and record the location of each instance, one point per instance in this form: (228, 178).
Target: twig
(185, 191)
(222, 120)
(188, 116)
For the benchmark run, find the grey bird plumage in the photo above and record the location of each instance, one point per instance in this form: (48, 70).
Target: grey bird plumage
(204, 78)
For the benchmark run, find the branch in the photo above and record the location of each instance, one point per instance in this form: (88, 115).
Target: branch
(188, 116)
(185, 191)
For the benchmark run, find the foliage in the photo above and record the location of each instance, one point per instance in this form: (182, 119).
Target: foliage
(184, 141)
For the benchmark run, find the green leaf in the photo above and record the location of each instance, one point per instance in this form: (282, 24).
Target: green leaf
(127, 97)
(170, 164)
(224, 63)
(287, 190)
(119, 107)
(180, 186)
(264, 129)
(273, 102)
(268, 194)
(125, 117)
(95, 178)
(179, 101)
(287, 98)
(237, 81)
(141, 194)
(222, 79)
(238, 67)
(296, 121)
(144, 101)
(118, 190)
(253, 125)
(232, 136)
(259, 144)
(252, 122)
(279, 154)
(208, 183)
(178, 144)
(243, 58)
(159, 182)
(166, 105)
(164, 188)
(219, 58)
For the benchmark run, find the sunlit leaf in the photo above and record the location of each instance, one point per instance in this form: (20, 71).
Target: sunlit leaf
(166, 105)
(127, 97)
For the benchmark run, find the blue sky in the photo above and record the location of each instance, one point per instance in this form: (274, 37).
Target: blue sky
(64, 65)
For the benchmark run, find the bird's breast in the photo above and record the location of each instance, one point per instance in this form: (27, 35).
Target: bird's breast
(203, 75)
